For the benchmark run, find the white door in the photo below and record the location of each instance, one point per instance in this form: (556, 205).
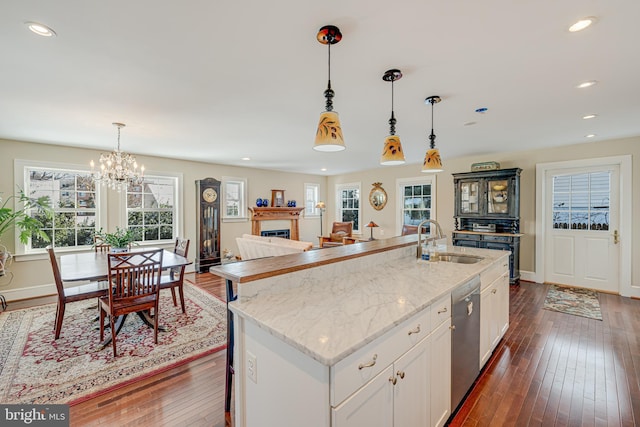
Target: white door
(581, 227)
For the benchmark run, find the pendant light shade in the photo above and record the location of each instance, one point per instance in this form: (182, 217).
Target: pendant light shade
(329, 133)
(392, 153)
(432, 161)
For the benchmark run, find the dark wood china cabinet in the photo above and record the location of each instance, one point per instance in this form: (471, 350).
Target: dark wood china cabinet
(487, 213)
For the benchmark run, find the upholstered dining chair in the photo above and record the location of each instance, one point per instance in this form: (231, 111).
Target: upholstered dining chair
(175, 278)
(73, 293)
(135, 287)
(339, 231)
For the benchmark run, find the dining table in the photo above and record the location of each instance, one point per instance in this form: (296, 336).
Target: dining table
(94, 265)
(85, 266)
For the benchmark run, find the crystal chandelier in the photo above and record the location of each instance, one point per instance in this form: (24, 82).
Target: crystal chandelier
(117, 169)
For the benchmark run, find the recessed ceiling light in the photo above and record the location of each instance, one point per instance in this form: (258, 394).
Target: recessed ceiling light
(40, 29)
(591, 135)
(590, 116)
(246, 159)
(582, 24)
(470, 123)
(323, 169)
(586, 84)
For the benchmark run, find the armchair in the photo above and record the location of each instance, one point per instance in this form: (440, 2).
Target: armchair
(341, 232)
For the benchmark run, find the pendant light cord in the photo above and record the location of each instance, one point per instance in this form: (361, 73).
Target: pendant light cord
(432, 137)
(392, 120)
(329, 92)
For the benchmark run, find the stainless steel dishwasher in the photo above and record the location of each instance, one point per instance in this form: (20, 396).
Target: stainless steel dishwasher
(465, 339)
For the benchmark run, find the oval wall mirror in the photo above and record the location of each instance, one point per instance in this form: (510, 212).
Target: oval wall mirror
(377, 196)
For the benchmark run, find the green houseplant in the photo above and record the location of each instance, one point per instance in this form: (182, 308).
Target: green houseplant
(121, 240)
(21, 218)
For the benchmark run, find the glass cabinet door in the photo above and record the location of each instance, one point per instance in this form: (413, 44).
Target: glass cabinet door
(469, 197)
(497, 196)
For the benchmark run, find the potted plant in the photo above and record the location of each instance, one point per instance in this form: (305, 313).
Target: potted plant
(120, 241)
(20, 218)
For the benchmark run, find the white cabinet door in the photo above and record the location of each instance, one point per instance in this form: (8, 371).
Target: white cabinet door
(411, 390)
(494, 316)
(502, 301)
(372, 405)
(440, 381)
(486, 314)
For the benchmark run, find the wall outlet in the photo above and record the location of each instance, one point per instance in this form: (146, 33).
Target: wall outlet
(252, 367)
(381, 231)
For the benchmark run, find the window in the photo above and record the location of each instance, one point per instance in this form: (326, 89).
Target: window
(151, 209)
(417, 200)
(234, 201)
(311, 199)
(74, 200)
(348, 204)
(581, 201)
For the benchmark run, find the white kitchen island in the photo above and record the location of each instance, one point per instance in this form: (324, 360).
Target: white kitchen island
(352, 336)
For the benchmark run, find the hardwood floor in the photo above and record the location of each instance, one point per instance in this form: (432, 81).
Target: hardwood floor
(551, 369)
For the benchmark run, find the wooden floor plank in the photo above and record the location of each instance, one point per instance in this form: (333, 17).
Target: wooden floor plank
(550, 369)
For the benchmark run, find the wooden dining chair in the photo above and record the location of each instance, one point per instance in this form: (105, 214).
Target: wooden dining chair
(135, 287)
(175, 278)
(99, 245)
(72, 293)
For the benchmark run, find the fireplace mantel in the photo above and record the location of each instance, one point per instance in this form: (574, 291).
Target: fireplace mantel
(269, 214)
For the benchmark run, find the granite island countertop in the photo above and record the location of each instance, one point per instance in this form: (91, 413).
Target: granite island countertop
(330, 316)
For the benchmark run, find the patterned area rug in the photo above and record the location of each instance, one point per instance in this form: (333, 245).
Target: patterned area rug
(35, 368)
(576, 301)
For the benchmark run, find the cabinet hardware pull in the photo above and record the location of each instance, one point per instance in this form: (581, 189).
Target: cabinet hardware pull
(415, 331)
(393, 380)
(400, 374)
(369, 364)
(493, 291)
(444, 310)
(452, 327)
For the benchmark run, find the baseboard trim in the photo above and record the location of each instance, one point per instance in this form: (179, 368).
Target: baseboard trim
(13, 295)
(528, 276)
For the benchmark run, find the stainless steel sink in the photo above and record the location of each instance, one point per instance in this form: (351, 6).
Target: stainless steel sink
(459, 258)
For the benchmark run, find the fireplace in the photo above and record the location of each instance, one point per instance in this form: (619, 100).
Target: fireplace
(276, 233)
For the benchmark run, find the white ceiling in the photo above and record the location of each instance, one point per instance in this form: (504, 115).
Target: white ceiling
(216, 81)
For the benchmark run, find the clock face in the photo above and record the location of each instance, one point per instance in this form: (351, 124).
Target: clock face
(209, 195)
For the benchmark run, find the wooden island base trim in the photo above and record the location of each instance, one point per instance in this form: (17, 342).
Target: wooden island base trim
(247, 271)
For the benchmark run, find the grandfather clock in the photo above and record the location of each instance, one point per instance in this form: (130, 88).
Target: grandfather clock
(208, 200)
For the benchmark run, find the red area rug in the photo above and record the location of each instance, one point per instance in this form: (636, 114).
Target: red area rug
(35, 368)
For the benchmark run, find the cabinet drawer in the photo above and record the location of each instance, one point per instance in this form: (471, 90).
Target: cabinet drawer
(497, 245)
(493, 272)
(355, 370)
(489, 238)
(440, 311)
(467, 236)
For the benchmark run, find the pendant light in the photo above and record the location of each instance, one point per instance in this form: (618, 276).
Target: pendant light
(329, 133)
(432, 161)
(392, 153)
